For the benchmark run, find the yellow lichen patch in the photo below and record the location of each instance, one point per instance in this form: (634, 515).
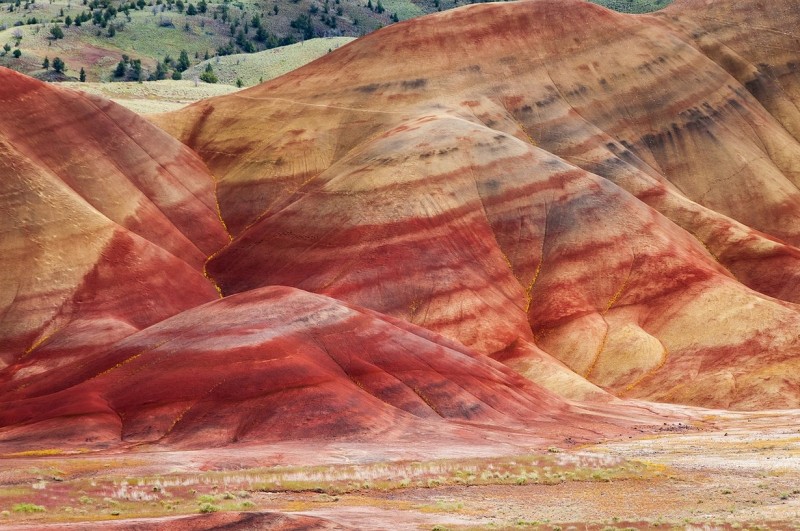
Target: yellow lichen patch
(529, 288)
(36, 453)
(597, 355)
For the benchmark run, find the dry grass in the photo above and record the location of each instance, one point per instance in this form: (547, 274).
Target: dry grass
(153, 96)
(98, 492)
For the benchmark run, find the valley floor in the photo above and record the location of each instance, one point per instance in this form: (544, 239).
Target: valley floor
(725, 471)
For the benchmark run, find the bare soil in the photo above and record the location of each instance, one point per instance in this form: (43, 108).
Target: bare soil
(723, 471)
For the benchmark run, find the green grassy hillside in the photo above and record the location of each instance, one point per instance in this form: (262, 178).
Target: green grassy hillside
(254, 68)
(634, 6)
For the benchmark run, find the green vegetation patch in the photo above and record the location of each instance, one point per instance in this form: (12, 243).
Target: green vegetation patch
(634, 6)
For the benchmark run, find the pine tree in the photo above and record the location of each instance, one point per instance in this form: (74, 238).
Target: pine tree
(183, 61)
(120, 70)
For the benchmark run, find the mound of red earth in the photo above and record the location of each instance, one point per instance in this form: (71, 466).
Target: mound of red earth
(579, 193)
(279, 363)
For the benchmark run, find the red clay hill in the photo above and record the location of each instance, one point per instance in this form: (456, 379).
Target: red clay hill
(112, 332)
(279, 363)
(460, 222)
(543, 181)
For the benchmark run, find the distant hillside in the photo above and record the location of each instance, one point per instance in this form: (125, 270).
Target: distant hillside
(634, 6)
(258, 67)
(98, 33)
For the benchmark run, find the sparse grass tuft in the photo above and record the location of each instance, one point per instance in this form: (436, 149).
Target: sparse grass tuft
(208, 508)
(28, 508)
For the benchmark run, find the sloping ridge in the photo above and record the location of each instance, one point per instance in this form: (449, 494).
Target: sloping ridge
(514, 177)
(107, 222)
(278, 363)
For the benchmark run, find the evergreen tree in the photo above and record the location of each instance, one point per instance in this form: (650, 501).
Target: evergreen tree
(46, 63)
(136, 69)
(58, 65)
(120, 70)
(161, 72)
(183, 61)
(82, 76)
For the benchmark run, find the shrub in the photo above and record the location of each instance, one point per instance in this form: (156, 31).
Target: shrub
(208, 508)
(28, 508)
(57, 32)
(208, 75)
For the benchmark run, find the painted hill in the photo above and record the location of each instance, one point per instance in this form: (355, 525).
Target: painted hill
(634, 216)
(275, 364)
(106, 225)
(429, 233)
(107, 338)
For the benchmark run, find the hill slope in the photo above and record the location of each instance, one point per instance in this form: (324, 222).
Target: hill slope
(106, 225)
(281, 364)
(635, 216)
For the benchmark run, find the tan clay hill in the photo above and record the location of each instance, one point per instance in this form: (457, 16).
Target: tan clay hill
(464, 222)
